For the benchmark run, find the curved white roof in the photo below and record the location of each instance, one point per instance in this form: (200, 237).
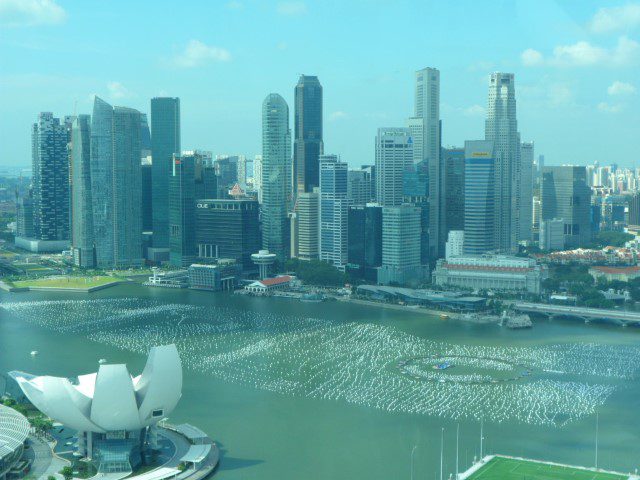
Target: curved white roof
(110, 399)
(14, 430)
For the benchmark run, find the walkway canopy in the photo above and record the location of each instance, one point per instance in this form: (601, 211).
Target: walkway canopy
(193, 434)
(197, 454)
(162, 473)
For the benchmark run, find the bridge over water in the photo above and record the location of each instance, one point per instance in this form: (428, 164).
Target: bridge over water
(620, 317)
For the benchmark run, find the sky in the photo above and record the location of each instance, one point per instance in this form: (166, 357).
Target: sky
(576, 64)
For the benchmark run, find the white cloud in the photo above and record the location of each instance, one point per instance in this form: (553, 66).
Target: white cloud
(337, 115)
(197, 53)
(28, 13)
(621, 88)
(615, 19)
(584, 54)
(117, 90)
(531, 58)
(292, 8)
(609, 108)
(579, 54)
(474, 111)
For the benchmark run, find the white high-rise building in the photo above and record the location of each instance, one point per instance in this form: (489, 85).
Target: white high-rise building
(501, 127)
(425, 130)
(334, 210)
(394, 154)
(455, 244)
(275, 175)
(525, 222)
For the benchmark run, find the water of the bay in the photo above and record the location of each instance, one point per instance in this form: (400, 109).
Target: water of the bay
(274, 426)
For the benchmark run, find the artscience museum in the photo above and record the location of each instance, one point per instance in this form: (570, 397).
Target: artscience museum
(114, 413)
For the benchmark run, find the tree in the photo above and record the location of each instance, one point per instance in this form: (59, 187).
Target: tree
(67, 472)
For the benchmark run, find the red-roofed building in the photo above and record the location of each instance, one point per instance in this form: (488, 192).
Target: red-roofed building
(623, 274)
(269, 284)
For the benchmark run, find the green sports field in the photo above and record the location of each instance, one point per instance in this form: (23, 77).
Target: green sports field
(500, 468)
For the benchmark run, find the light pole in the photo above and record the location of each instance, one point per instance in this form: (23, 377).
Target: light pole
(457, 451)
(413, 450)
(441, 452)
(597, 428)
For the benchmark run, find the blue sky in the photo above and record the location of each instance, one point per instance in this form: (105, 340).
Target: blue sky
(577, 67)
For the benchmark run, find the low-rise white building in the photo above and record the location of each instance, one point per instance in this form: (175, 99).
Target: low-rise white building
(491, 272)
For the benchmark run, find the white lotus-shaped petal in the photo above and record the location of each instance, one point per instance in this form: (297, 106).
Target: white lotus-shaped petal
(111, 399)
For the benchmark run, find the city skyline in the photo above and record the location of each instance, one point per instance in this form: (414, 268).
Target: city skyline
(577, 82)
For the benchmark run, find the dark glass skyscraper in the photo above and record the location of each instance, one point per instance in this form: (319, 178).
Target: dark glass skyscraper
(228, 229)
(50, 179)
(566, 195)
(165, 142)
(365, 241)
(182, 219)
(453, 191)
(479, 197)
(308, 144)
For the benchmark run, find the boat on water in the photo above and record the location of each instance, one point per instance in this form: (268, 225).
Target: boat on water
(102, 360)
(444, 316)
(34, 353)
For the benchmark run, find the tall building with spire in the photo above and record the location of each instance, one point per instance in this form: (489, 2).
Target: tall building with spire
(165, 143)
(425, 132)
(308, 145)
(501, 128)
(275, 175)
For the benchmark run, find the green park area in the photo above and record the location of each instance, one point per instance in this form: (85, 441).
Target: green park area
(65, 282)
(501, 468)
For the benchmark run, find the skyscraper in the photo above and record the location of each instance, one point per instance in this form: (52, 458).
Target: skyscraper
(127, 188)
(394, 155)
(305, 226)
(365, 241)
(566, 196)
(228, 229)
(165, 142)
(501, 128)
(453, 191)
(334, 210)
(308, 144)
(182, 215)
(50, 179)
(275, 173)
(425, 127)
(525, 220)
(116, 185)
(359, 187)
(82, 241)
(401, 231)
(479, 197)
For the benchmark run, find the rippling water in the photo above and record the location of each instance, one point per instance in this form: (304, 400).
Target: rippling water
(300, 354)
